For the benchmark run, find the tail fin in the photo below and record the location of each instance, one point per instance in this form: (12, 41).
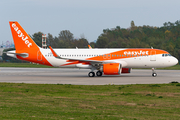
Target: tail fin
(21, 39)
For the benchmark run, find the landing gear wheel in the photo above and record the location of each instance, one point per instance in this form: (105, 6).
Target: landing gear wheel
(154, 74)
(91, 74)
(99, 73)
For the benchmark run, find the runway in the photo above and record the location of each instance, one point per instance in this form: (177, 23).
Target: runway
(80, 77)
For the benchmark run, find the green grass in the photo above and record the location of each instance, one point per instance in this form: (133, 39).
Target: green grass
(79, 102)
(23, 65)
(176, 67)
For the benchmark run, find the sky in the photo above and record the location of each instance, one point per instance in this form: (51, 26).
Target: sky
(85, 18)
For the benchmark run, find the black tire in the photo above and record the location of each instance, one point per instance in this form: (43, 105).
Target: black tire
(99, 73)
(154, 74)
(91, 74)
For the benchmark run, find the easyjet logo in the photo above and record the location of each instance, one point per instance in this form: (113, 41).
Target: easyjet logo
(21, 35)
(136, 52)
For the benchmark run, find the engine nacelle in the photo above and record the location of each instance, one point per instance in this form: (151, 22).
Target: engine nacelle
(112, 69)
(126, 70)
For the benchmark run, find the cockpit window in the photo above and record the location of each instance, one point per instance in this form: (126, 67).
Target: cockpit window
(165, 55)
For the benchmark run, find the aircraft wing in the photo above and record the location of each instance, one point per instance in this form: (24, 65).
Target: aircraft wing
(80, 60)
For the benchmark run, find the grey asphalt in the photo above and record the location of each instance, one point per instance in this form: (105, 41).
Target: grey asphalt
(80, 77)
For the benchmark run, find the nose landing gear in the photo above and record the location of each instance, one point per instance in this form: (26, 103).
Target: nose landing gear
(154, 74)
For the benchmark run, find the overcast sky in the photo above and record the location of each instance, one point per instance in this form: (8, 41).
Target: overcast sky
(84, 17)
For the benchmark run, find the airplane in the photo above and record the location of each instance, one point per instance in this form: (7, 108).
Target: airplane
(103, 61)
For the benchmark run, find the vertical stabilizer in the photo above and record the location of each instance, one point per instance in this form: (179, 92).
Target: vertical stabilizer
(21, 39)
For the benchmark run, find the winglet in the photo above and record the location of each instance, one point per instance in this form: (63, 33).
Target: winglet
(89, 47)
(54, 53)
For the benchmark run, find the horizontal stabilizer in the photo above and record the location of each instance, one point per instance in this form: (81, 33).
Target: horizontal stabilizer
(24, 55)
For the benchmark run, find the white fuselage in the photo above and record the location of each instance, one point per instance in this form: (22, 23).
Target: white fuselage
(141, 61)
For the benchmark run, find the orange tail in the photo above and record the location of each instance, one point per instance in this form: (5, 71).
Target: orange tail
(26, 48)
(21, 39)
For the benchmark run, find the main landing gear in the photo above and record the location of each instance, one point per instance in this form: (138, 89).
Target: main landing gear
(92, 74)
(154, 74)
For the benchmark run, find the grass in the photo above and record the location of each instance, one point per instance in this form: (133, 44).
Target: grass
(23, 65)
(176, 67)
(79, 102)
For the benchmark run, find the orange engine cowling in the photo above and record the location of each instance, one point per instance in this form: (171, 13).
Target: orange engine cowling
(126, 70)
(112, 69)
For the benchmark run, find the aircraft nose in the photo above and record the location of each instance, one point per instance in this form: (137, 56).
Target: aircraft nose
(174, 60)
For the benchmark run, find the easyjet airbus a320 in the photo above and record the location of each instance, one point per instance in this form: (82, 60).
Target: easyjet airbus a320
(103, 61)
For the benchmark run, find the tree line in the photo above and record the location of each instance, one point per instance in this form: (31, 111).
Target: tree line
(166, 37)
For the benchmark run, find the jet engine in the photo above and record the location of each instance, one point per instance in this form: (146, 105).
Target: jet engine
(112, 69)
